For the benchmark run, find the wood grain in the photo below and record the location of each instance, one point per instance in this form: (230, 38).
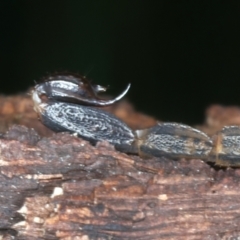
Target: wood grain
(57, 186)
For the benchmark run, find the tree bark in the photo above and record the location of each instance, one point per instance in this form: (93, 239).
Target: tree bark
(58, 186)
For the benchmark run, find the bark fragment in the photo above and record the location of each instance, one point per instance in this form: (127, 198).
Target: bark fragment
(57, 186)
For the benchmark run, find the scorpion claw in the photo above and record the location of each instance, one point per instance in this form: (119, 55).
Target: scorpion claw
(75, 89)
(119, 97)
(89, 123)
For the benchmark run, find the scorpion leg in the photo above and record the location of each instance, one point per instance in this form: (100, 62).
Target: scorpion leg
(226, 147)
(174, 141)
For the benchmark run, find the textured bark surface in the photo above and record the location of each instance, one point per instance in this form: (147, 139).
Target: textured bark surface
(57, 186)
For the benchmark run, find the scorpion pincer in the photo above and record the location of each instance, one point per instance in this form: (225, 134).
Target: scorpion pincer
(68, 103)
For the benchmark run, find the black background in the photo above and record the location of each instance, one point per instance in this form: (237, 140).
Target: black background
(180, 56)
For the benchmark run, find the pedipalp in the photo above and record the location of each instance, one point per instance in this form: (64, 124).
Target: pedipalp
(75, 89)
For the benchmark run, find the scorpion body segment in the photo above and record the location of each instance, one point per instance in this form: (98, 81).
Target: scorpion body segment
(226, 147)
(89, 123)
(175, 141)
(67, 103)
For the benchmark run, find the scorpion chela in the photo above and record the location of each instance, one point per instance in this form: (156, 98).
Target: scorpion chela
(67, 102)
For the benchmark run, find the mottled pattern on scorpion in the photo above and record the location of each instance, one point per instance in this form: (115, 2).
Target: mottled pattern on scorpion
(68, 103)
(69, 116)
(172, 139)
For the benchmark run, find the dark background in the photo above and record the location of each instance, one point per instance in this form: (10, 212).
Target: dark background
(180, 56)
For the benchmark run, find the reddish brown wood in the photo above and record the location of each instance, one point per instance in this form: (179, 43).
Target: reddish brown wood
(60, 187)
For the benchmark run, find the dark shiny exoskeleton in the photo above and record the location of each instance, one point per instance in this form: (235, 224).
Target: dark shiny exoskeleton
(68, 103)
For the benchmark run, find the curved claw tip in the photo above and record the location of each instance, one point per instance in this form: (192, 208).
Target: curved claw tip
(102, 102)
(123, 93)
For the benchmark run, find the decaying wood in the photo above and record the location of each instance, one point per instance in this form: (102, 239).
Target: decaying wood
(58, 186)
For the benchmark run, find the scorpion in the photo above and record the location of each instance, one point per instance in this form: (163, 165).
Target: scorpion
(70, 103)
